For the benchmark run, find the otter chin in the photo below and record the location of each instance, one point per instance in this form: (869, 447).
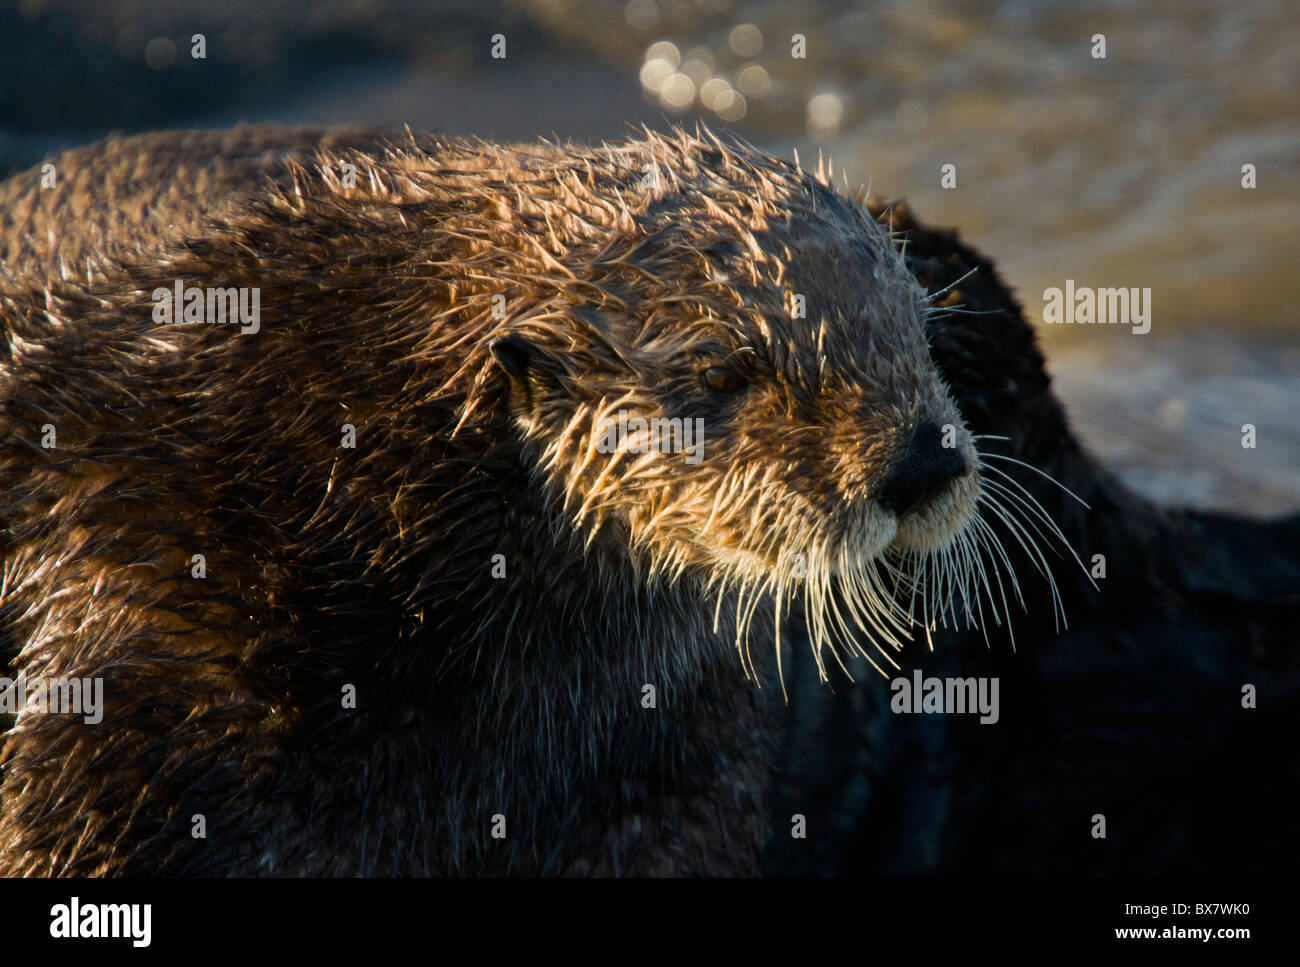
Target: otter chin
(377, 583)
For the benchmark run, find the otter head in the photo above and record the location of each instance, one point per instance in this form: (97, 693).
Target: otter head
(729, 366)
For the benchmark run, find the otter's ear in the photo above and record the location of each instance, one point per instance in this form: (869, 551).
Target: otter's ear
(526, 366)
(513, 354)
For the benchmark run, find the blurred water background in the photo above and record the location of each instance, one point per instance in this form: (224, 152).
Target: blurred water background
(1123, 171)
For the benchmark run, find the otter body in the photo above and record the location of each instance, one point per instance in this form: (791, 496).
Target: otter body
(368, 592)
(388, 487)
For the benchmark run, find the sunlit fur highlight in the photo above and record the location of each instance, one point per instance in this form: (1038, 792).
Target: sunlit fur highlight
(739, 525)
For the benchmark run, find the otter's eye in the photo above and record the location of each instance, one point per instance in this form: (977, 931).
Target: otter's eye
(722, 379)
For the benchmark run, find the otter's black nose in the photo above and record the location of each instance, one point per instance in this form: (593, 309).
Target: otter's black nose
(920, 471)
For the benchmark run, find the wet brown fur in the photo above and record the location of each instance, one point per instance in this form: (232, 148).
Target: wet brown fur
(626, 271)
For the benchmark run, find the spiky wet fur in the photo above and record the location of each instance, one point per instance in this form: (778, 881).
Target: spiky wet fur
(626, 270)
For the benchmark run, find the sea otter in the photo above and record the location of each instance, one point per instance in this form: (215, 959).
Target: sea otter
(366, 589)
